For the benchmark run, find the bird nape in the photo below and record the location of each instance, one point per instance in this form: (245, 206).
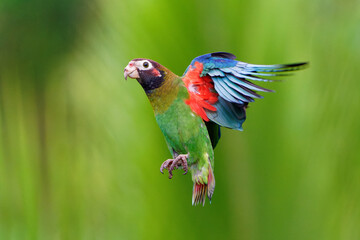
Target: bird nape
(214, 91)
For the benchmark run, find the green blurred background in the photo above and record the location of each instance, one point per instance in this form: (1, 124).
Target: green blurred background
(80, 150)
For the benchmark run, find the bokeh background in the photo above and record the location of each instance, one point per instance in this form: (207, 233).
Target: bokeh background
(80, 150)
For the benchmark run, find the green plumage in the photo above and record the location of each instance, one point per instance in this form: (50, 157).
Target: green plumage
(184, 131)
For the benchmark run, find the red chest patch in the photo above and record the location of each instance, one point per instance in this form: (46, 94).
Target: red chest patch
(201, 91)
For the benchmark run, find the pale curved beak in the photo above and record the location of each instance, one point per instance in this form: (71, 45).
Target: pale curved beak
(131, 71)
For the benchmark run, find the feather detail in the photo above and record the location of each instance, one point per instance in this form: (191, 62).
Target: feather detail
(223, 55)
(228, 114)
(201, 91)
(223, 91)
(248, 84)
(199, 193)
(203, 187)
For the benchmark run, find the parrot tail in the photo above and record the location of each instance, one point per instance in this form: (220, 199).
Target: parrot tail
(200, 189)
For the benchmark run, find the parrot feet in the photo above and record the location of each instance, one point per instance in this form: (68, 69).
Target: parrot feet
(171, 164)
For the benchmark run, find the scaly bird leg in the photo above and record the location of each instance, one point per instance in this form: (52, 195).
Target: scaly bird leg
(171, 164)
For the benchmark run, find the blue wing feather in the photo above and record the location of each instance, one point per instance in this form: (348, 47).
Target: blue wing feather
(216, 73)
(223, 92)
(237, 97)
(230, 115)
(231, 82)
(248, 84)
(241, 91)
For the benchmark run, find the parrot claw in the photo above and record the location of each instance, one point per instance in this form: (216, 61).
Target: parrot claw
(171, 164)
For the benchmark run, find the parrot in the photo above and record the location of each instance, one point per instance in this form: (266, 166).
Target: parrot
(213, 92)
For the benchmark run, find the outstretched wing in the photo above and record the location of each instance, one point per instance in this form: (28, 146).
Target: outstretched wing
(220, 87)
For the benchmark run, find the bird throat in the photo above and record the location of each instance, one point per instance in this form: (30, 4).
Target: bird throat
(163, 96)
(149, 84)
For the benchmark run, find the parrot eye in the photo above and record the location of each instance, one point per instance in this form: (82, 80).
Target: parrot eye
(144, 65)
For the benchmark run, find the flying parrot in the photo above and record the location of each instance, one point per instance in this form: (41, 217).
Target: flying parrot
(214, 92)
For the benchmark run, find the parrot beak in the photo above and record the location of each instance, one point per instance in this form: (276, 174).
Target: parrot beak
(131, 71)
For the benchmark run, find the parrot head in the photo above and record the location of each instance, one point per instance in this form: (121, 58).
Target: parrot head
(148, 73)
